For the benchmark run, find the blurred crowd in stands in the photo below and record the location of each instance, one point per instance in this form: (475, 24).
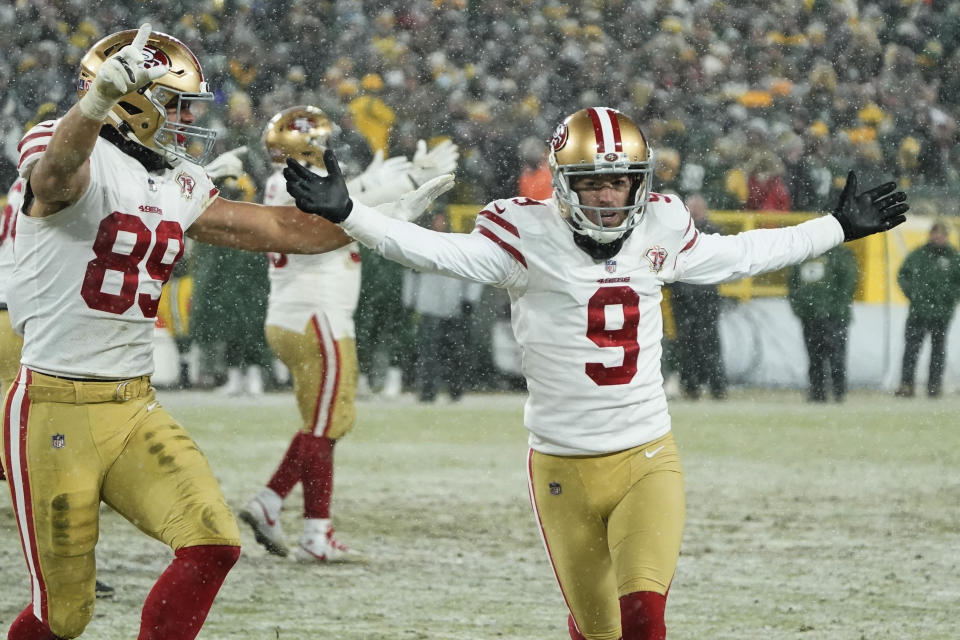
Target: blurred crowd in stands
(761, 105)
(755, 104)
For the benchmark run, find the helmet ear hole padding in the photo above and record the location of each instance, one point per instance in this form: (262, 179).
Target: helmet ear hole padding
(599, 141)
(141, 116)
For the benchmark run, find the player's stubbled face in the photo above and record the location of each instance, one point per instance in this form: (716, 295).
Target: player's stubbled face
(604, 191)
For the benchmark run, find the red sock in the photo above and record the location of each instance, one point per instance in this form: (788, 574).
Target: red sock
(287, 475)
(572, 628)
(180, 600)
(316, 473)
(641, 616)
(27, 627)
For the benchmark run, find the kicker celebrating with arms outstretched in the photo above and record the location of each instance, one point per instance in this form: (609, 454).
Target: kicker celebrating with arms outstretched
(584, 271)
(112, 188)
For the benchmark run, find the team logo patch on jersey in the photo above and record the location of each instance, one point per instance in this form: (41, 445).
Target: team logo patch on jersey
(555, 489)
(657, 256)
(611, 266)
(187, 184)
(58, 441)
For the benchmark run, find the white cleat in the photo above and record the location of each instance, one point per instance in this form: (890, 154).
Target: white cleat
(267, 530)
(323, 549)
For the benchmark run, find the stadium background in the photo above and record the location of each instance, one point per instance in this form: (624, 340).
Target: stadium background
(734, 97)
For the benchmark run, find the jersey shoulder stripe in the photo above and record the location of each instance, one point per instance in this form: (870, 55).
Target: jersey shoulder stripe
(499, 223)
(692, 236)
(33, 144)
(497, 240)
(493, 217)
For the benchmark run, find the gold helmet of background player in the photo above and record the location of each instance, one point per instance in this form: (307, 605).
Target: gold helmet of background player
(142, 115)
(599, 141)
(298, 132)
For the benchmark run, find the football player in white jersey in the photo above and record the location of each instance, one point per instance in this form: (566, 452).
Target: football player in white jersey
(311, 329)
(111, 189)
(11, 344)
(584, 271)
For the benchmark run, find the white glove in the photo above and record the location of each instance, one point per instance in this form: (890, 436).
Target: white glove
(437, 161)
(412, 204)
(382, 181)
(227, 164)
(120, 74)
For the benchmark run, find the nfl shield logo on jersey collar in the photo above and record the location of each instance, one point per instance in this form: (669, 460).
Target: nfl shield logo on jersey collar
(58, 441)
(611, 266)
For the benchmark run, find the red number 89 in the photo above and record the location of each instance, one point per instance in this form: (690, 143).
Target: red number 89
(129, 263)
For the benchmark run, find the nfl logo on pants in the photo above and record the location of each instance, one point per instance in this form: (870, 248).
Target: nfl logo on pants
(58, 441)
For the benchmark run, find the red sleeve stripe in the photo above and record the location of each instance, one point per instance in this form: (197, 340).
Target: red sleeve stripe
(503, 245)
(689, 222)
(29, 153)
(492, 217)
(696, 234)
(213, 192)
(33, 136)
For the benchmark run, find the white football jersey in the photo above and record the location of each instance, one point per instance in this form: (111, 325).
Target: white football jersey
(590, 331)
(8, 230)
(302, 286)
(87, 279)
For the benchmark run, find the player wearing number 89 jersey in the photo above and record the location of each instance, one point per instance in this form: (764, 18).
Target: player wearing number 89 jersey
(137, 221)
(109, 192)
(584, 271)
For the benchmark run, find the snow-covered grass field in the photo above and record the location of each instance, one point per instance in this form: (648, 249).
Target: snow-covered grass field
(804, 521)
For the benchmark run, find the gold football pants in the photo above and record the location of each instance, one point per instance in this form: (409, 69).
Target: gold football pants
(611, 525)
(67, 446)
(324, 374)
(10, 347)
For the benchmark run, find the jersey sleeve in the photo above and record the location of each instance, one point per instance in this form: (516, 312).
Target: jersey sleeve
(32, 146)
(496, 223)
(275, 191)
(710, 259)
(467, 256)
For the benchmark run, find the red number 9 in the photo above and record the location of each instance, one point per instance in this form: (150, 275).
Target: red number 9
(625, 337)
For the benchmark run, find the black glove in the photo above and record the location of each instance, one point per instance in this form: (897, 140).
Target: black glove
(325, 196)
(872, 211)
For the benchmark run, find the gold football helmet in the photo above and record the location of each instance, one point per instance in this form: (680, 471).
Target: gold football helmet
(142, 115)
(298, 132)
(593, 142)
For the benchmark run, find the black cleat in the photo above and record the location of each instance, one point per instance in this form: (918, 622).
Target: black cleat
(103, 590)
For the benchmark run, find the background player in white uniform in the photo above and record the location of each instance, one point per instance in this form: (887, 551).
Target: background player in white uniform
(111, 189)
(584, 271)
(11, 344)
(311, 329)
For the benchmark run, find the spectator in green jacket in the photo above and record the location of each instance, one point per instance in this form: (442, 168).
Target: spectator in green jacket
(930, 278)
(696, 311)
(821, 295)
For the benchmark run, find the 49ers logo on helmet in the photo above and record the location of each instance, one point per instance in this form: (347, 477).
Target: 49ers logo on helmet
(560, 137)
(153, 57)
(302, 124)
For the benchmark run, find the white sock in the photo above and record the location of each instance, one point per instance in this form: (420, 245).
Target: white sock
(315, 527)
